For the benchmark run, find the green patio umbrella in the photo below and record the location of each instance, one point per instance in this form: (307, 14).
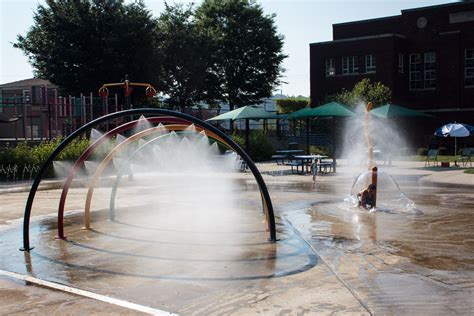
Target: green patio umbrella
(301, 113)
(332, 109)
(399, 113)
(392, 110)
(247, 113)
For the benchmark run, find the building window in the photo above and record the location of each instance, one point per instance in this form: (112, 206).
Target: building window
(430, 70)
(469, 67)
(370, 63)
(330, 68)
(400, 63)
(415, 71)
(350, 65)
(26, 96)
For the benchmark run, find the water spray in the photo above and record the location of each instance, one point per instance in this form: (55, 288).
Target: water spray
(370, 150)
(370, 144)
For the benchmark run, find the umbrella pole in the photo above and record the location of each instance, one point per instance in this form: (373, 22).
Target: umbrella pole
(334, 143)
(247, 127)
(307, 136)
(455, 145)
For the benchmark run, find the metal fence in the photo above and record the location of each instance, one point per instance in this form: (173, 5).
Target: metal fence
(45, 115)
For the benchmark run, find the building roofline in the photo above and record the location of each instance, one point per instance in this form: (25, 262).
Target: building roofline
(26, 83)
(403, 11)
(436, 6)
(361, 38)
(368, 20)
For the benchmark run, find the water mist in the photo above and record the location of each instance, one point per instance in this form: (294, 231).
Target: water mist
(369, 141)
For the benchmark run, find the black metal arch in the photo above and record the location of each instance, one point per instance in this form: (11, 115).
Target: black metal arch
(106, 118)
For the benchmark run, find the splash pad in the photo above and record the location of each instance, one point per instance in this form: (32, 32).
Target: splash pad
(386, 195)
(164, 116)
(389, 196)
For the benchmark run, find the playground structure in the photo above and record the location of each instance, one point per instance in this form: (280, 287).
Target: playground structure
(174, 121)
(127, 86)
(39, 112)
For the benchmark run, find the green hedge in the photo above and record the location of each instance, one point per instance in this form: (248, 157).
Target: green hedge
(316, 150)
(291, 104)
(260, 147)
(14, 160)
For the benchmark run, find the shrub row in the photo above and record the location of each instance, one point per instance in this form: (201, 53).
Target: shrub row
(289, 105)
(14, 160)
(260, 147)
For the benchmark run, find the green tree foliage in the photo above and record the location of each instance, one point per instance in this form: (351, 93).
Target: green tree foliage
(364, 91)
(246, 49)
(226, 50)
(289, 105)
(183, 51)
(79, 45)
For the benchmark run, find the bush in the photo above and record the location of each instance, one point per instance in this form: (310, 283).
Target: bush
(239, 140)
(260, 147)
(422, 151)
(291, 104)
(316, 150)
(23, 157)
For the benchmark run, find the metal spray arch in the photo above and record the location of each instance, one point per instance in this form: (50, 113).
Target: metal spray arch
(267, 203)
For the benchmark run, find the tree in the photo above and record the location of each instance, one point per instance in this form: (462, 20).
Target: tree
(183, 55)
(246, 50)
(79, 45)
(288, 105)
(364, 91)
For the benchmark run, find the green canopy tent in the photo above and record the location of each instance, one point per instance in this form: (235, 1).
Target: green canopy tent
(300, 114)
(303, 113)
(247, 113)
(332, 109)
(392, 110)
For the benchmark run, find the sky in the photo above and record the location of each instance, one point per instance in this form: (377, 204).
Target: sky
(301, 22)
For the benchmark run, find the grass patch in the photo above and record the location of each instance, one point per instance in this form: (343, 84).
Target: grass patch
(470, 171)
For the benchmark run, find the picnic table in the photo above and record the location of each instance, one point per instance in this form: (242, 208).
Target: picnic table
(287, 154)
(308, 162)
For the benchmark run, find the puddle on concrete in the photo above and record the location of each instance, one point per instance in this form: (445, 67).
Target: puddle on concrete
(396, 263)
(400, 262)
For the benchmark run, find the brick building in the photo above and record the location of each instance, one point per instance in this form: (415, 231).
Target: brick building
(33, 109)
(30, 96)
(425, 55)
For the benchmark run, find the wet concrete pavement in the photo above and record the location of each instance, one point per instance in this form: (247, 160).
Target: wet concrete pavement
(19, 298)
(331, 259)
